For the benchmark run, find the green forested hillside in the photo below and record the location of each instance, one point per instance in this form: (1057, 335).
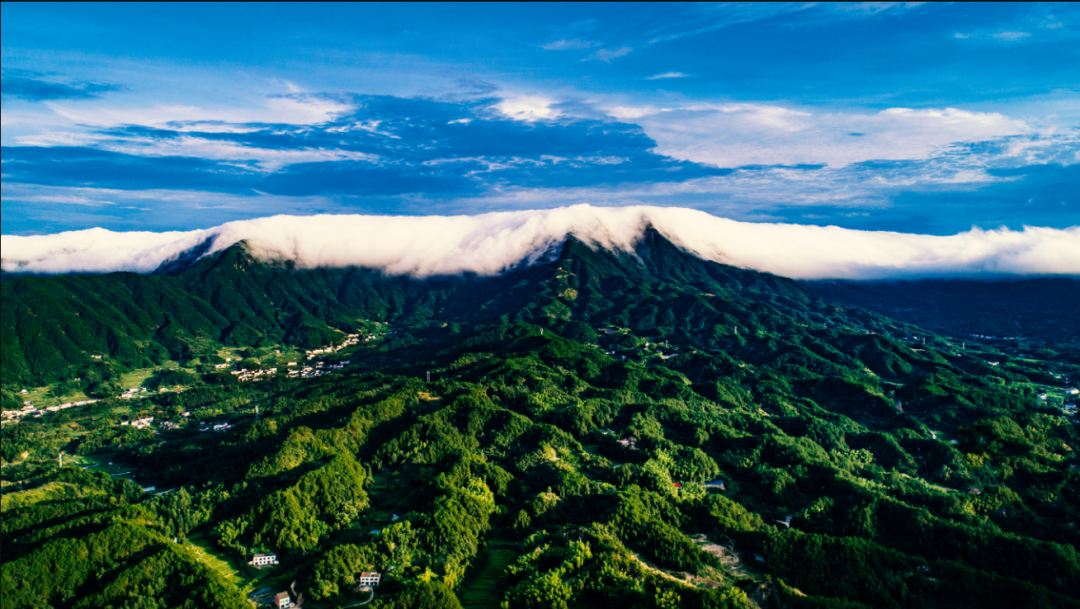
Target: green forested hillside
(52, 326)
(1043, 309)
(598, 430)
(60, 328)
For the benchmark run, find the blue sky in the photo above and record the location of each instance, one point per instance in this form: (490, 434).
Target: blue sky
(912, 118)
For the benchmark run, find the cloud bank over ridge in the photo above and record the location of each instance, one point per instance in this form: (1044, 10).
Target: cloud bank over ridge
(488, 244)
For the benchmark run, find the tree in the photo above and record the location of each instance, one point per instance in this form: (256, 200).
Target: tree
(432, 594)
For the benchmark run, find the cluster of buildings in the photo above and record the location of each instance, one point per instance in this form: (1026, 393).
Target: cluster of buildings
(254, 375)
(29, 410)
(987, 337)
(1069, 408)
(350, 339)
(284, 600)
(132, 393)
(142, 423)
(318, 369)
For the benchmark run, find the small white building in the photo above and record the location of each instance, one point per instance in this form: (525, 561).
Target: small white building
(368, 578)
(282, 600)
(260, 560)
(139, 423)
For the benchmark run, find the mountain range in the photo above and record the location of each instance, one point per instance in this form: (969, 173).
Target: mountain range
(591, 427)
(52, 326)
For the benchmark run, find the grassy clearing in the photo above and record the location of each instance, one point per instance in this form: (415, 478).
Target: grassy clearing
(484, 590)
(41, 397)
(100, 463)
(46, 492)
(137, 377)
(202, 546)
(81, 461)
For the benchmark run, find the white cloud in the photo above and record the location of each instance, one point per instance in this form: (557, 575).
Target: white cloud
(609, 54)
(94, 250)
(666, 75)
(709, 17)
(370, 126)
(182, 209)
(733, 135)
(1041, 23)
(629, 113)
(528, 108)
(488, 244)
(568, 45)
(266, 159)
(1011, 36)
(291, 110)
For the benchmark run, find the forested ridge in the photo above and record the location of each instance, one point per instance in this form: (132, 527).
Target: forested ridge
(1041, 308)
(598, 429)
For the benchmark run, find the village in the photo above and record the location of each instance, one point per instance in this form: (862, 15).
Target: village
(311, 366)
(29, 410)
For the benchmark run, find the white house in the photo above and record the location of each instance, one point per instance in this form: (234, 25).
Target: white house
(139, 423)
(264, 559)
(282, 600)
(368, 578)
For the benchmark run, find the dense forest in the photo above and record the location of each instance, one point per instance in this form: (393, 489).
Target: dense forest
(597, 429)
(1014, 309)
